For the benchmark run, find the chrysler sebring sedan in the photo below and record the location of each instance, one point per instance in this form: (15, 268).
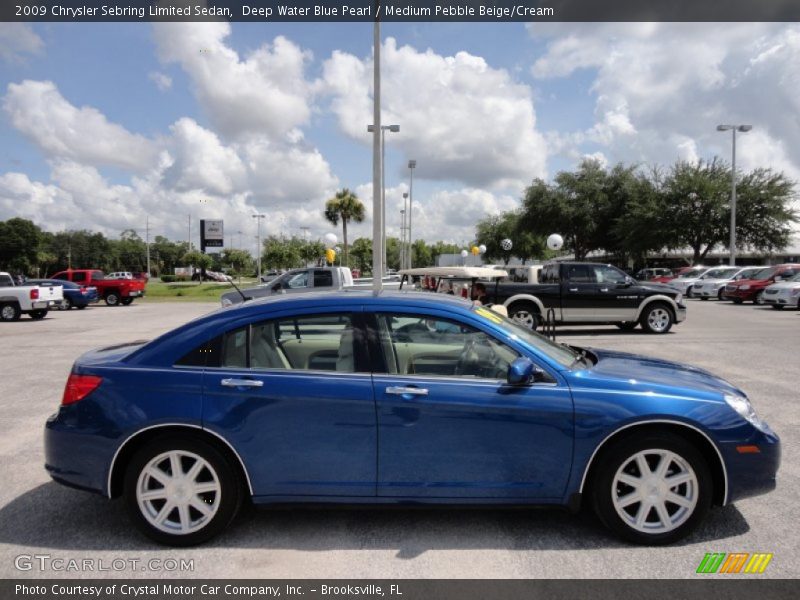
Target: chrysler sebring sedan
(399, 398)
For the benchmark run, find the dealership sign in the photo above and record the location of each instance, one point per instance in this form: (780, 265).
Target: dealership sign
(210, 234)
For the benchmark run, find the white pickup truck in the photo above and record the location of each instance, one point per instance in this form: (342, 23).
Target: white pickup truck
(33, 300)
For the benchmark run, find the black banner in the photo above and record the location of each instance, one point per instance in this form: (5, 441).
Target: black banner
(735, 588)
(401, 10)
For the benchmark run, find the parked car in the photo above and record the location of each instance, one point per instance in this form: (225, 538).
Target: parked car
(651, 273)
(79, 296)
(675, 273)
(294, 282)
(113, 291)
(120, 275)
(686, 280)
(784, 293)
(712, 285)
(315, 398)
(30, 299)
(747, 290)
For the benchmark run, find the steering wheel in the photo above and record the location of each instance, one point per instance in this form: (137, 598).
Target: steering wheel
(468, 358)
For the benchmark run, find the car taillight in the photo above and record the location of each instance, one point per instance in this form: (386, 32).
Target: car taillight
(84, 289)
(35, 294)
(78, 387)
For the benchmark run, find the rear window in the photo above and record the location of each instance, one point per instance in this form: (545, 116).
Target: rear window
(97, 276)
(6, 281)
(78, 277)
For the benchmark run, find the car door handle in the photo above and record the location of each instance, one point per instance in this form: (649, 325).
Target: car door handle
(242, 383)
(573, 289)
(402, 391)
(603, 289)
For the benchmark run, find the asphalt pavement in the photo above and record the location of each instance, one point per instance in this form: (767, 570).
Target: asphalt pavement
(755, 348)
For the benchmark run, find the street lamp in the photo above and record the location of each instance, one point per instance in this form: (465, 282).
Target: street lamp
(259, 217)
(403, 237)
(412, 164)
(393, 129)
(733, 129)
(406, 262)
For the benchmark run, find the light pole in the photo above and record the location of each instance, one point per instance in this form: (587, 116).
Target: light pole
(259, 217)
(403, 238)
(733, 129)
(393, 129)
(405, 263)
(412, 164)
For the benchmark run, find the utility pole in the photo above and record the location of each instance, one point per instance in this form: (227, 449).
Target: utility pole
(190, 232)
(259, 217)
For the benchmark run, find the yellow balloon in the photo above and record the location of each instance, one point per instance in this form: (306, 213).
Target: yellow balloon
(330, 255)
(475, 250)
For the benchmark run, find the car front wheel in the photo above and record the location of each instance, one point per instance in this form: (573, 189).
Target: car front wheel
(127, 301)
(524, 313)
(181, 491)
(657, 318)
(38, 314)
(759, 299)
(10, 311)
(652, 489)
(112, 299)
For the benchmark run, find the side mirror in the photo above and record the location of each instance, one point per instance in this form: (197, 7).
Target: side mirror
(520, 372)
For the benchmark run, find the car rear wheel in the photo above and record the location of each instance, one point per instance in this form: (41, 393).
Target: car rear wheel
(759, 299)
(181, 491)
(127, 301)
(10, 311)
(657, 318)
(38, 314)
(652, 489)
(525, 314)
(112, 298)
(66, 304)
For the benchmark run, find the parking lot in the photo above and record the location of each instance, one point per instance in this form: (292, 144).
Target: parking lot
(756, 348)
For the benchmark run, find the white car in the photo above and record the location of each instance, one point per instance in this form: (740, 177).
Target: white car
(120, 275)
(685, 283)
(712, 284)
(783, 293)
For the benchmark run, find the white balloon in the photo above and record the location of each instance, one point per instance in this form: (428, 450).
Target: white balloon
(482, 248)
(464, 254)
(555, 241)
(330, 240)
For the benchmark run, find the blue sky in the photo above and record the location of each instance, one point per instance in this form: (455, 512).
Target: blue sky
(102, 124)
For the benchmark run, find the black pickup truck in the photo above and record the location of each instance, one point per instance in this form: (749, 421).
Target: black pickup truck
(582, 293)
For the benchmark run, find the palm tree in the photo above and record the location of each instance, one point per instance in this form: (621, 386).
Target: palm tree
(347, 207)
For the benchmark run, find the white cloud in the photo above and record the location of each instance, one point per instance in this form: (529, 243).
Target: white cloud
(39, 111)
(163, 82)
(18, 40)
(660, 89)
(460, 118)
(264, 92)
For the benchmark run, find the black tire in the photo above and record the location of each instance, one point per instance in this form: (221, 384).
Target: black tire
(703, 298)
(66, 304)
(684, 459)
(657, 318)
(38, 314)
(719, 295)
(688, 293)
(777, 306)
(127, 301)
(525, 314)
(737, 300)
(627, 325)
(112, 299)
(225, 502)
(81, 307)
(759, 299)
(10, 311)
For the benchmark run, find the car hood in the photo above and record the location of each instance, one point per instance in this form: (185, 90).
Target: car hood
(784, 285)
(631, 372)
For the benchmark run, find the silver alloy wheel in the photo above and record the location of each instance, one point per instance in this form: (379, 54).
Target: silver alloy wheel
(659, 319)
(178, 492)
(8, 313)
(655, 491)
(524, 318)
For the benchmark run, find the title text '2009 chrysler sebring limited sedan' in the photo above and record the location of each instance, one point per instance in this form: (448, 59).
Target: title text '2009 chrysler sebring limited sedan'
(398, 398)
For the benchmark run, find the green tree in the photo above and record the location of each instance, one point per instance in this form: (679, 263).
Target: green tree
(280, 253)
(421, 254)
(239, 261)
(361, 253)
(492, 230)
(197, 260)
(764, 211)
(19, 245)
(345, 206)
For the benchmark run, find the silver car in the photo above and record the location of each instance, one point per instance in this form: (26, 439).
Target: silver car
(685, 283)
(784, 293)
(713, 283)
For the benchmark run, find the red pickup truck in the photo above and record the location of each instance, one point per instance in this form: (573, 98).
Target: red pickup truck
(113, 291)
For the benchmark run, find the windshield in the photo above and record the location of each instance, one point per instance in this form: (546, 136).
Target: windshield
(721, 273)
(765, 273)
(560, 353)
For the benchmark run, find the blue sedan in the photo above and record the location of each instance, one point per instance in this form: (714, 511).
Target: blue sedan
(79, 296)
(399, 398)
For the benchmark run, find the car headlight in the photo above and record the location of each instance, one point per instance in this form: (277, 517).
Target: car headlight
(796, 292)
(744, 287)
(742, 406)
(678, 298)
(226, 302)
